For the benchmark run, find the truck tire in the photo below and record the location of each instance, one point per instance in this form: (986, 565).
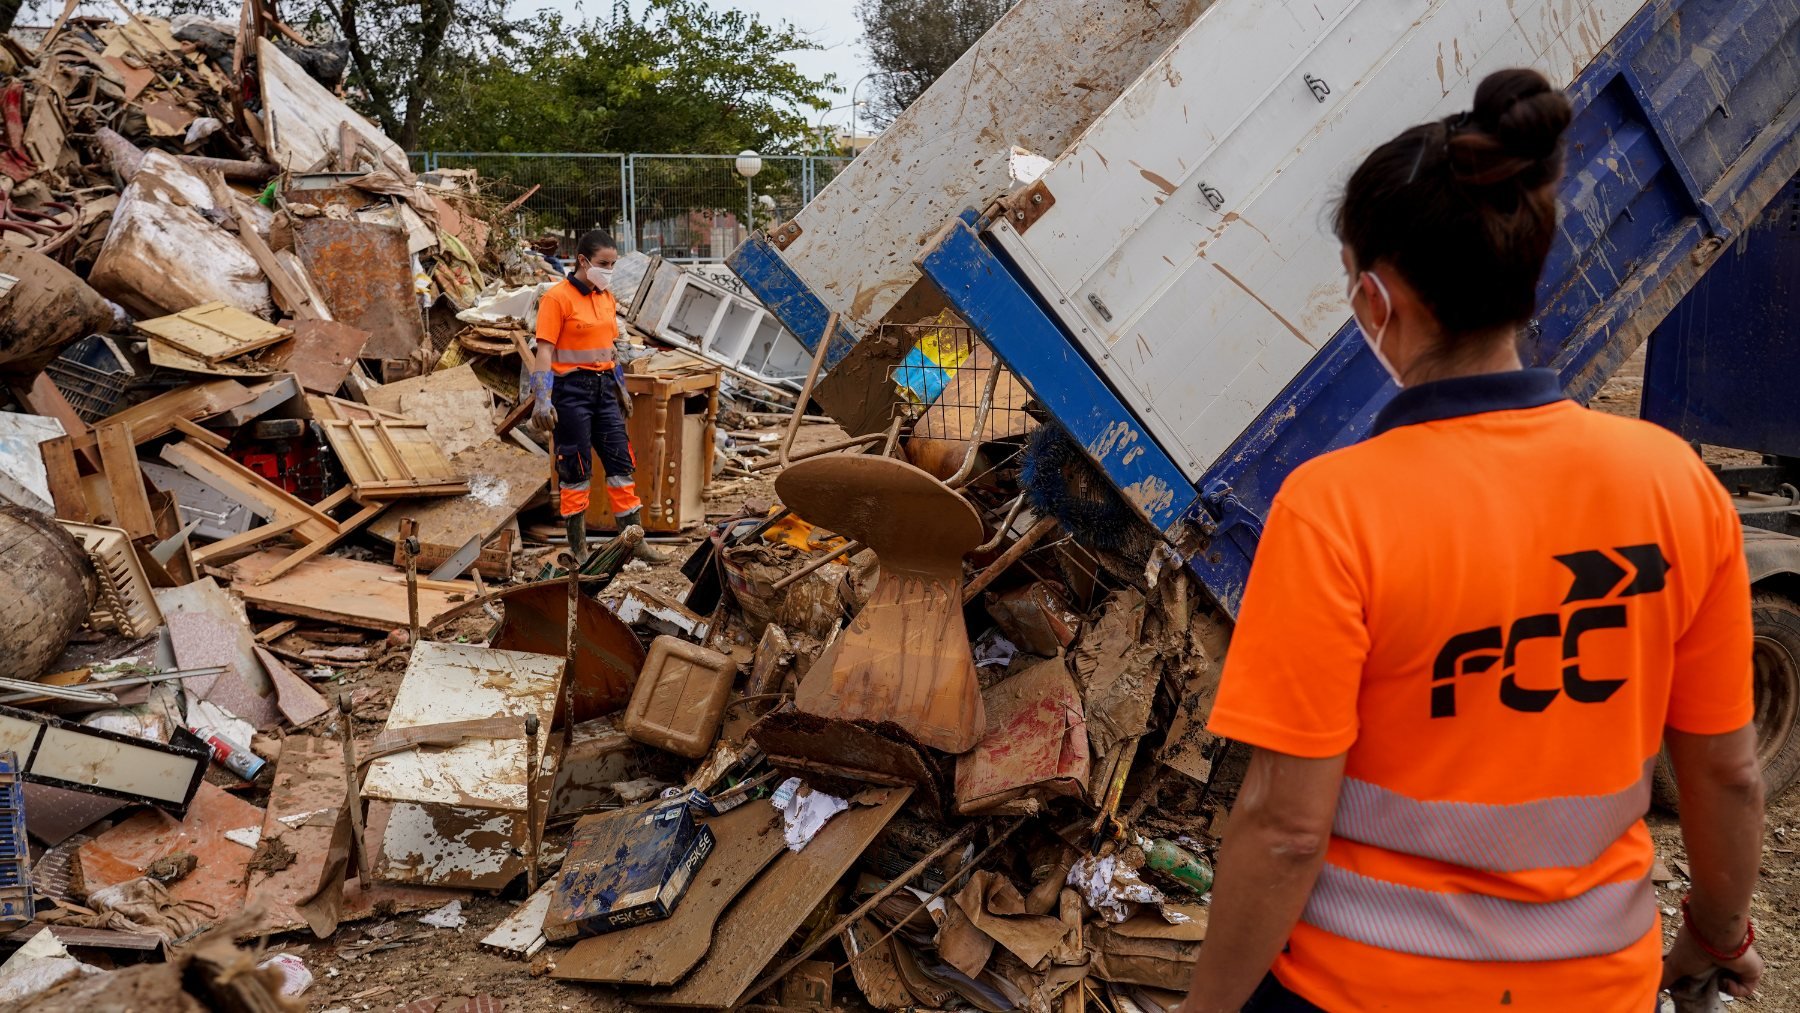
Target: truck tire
(1776, 658)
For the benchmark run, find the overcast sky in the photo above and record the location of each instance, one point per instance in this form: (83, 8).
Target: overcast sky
(830, 23)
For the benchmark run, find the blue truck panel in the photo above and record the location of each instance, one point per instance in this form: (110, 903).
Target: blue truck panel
(760, 266)
(980, 287)
(1685, 128)
(1721, 367)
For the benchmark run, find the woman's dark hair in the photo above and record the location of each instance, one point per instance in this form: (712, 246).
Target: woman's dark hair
(594, 241)
(1465, 208)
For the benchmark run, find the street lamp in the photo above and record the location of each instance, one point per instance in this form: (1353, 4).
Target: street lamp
(854, 103)
(748, 164)
(819, 127)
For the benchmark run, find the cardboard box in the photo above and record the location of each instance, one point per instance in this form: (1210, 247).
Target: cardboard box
(628, 867)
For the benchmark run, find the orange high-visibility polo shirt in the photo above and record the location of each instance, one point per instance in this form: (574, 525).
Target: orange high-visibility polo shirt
(581, 322)
(1493, 606)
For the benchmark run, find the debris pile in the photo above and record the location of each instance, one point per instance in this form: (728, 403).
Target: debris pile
(300, 653)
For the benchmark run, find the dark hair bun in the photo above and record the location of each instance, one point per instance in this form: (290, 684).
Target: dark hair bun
(1523, 112)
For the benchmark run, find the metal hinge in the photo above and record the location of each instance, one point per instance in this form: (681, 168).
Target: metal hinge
(1024, 208)
(783, 234)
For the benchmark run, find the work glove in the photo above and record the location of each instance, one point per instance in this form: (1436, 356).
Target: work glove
(620, 393)
(543, 411)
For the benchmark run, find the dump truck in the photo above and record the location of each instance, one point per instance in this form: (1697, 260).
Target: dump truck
(1128, 202)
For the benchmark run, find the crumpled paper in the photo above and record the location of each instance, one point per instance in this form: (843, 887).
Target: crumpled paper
(449, 916)
(1111, 888)
(804, 811)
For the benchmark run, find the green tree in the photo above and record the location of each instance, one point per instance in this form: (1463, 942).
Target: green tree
(400, 52)
(678, 77)
(912, 43)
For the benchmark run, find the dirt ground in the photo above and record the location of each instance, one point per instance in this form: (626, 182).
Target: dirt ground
(420, 962)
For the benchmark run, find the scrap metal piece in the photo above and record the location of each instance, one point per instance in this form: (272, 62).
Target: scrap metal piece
(607, 656)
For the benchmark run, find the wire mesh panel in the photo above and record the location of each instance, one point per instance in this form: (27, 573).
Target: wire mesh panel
(684, 207)
(943, 383)
(575, 193)
(689, 207)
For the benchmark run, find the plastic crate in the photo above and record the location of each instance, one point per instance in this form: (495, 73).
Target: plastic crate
(92, 376)
(15, 853)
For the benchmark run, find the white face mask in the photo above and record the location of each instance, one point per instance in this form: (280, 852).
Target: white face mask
(1373, 338)
(600, 277)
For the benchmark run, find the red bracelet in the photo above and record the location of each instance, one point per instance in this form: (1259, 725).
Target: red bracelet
(1720, 956)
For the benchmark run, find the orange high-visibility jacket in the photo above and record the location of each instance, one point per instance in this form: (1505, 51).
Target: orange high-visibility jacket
(1493, 606)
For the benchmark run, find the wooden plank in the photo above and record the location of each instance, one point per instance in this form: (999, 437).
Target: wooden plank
(294, 297)
(166, 356)
(246, 486)
(214, 331)
(311, 549)
(387, 459)
(201, 433)
(661, 953)
(306, 802)
(324, 351)
(502, 480)
(238, 544)
(324, 407)
(756, 927)
(452, 403)
(153, 419)
(130, 502)
(43, 398)
(340, 590)
(65, 480)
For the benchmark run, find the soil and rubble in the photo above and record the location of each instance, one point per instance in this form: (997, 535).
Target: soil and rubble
(912, 719)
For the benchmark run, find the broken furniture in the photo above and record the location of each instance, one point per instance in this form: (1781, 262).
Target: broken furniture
(672, 425)
(385, 459)
(457, 816)
(905, 657)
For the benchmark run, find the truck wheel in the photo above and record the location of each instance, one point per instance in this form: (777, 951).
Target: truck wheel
(1776, 660)
(1777, 667)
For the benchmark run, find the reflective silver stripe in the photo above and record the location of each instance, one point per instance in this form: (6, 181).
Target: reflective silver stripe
(1551, 833)
(617, 482)
(581, 356)
(581, 486)
(1469, 926)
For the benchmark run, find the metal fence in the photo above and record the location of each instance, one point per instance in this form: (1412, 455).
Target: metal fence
(684, 207)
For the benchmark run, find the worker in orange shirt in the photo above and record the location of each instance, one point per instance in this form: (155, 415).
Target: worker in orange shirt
(579, 390)
(1465, 640)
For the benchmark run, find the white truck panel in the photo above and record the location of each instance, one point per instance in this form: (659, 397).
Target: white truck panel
(1034, 81)
(1199, 314)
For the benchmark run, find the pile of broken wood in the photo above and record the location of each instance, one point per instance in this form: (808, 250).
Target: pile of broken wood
(306, 661)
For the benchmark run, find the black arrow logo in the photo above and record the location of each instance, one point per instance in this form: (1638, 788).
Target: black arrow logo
(1596, 574)
(1652, 567)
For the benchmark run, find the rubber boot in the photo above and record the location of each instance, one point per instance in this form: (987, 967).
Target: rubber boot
(577, 527)
(643, 551)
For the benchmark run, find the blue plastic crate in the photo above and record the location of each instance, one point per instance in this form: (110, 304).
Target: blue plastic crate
(15, 851)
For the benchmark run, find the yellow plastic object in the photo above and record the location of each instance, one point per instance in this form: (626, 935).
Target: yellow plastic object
(791, 530)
